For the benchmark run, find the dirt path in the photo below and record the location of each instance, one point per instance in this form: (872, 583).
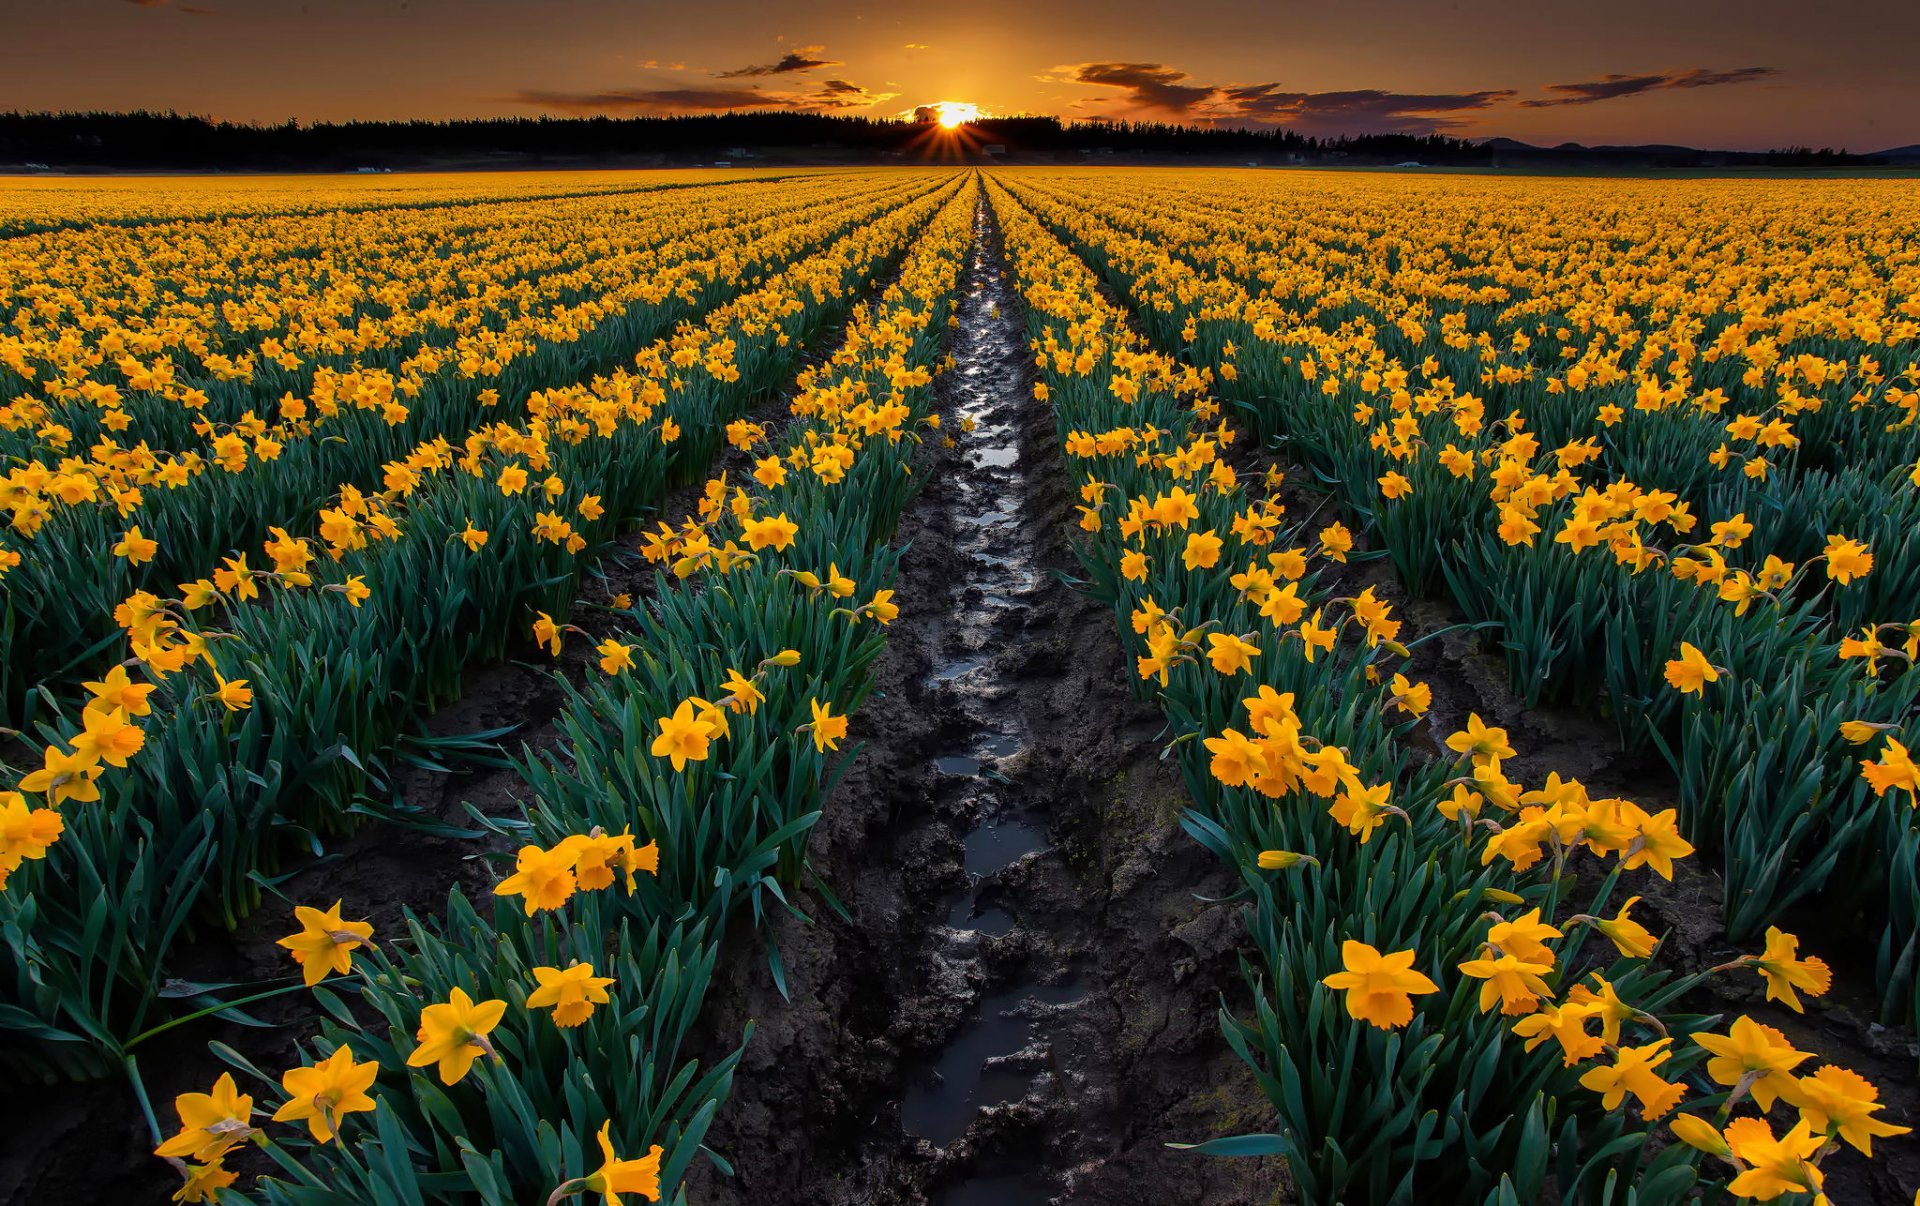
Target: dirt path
(1021, 1006)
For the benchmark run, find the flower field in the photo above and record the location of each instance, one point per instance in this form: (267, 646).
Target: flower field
(1515, 582)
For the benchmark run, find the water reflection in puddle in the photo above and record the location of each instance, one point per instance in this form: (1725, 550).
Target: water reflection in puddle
(962, 1083)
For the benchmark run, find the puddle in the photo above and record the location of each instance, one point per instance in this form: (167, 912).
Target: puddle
(1005, 1189)
(966, 1078)
(993, 847)
(957, 764)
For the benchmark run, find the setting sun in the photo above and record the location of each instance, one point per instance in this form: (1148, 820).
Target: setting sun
(953, 114)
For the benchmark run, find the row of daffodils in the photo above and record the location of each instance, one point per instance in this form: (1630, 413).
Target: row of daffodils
(1683, 483)
(171, 392)
(533, 1050)
(262, 699)
(1452, 997)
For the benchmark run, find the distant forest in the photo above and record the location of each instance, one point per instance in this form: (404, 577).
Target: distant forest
(156, 141)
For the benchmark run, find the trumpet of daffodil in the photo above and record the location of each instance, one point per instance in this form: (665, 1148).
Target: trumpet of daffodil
(210, 1123)
(1691, 671)
(1785, 972)
(1774, 1167)
(882, 607)
(233, 694)
(473, 538)
(570, 992)
(325, 943)
(615, 1176)
(1380, 988)
(544, 879)
(454, 1033)
(1837, 1102)
(828, 730)
(1633, 1072)
(615, 658)
(684, 736)
(136, 548)
(326, 1092)
(1752, 1058)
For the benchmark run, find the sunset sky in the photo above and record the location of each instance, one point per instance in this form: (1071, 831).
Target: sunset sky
(1748, 75)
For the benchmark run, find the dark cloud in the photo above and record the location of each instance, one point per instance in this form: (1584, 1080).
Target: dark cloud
(1610, 87)
(1359, 111)
(192, 10)
(830, 95)
(801, 58)
(1150, 85)
(1155, 89)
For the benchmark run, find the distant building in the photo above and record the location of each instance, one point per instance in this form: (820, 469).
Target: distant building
(1410, 163)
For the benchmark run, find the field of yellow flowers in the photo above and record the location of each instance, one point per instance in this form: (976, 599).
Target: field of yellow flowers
(288, 462)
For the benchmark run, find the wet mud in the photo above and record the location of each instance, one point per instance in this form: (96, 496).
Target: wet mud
(1021, 1003)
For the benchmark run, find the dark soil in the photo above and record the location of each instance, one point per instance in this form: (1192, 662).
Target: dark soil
(1021, 1006)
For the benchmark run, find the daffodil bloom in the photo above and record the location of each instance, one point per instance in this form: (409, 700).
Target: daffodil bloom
(1691, 671)
(1633, 1072)
(1481, 741)
(234, 694)
(473, 538)
(108, 737)
(615, 657)
(546, 633)
(1773, 1167)
(616, 1176)
(1752, 1058)
(323, 1094)
(136, 548)
(1525, 937)
(210, 1123)
(64, 776)
(828, 730)
(684, 737)
(1847, 560)
(454, 1033)
(544, 879)
(1230, 654)
(742, 695)
(1512, 982)
(1838, 1102)
(571, 993)
(203, 1182)
(325, 943)
(115, 690)
(1363, 809)
(1895, 769)
(776, 532)
(1565, 1024)
(25, 833)
(1785, 972)
(1633, 940)
(1282, 860)
(1380, 988)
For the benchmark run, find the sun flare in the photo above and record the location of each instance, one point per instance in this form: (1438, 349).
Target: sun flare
(953, 114)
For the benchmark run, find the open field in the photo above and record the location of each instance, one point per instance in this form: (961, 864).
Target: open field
(903, 685)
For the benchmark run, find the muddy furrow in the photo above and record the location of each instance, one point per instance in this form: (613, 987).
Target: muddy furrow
(1019, 1006)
